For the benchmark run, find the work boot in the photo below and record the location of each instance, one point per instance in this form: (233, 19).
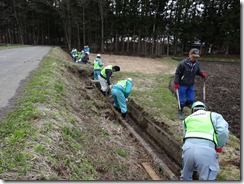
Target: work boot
(103, 92)
(117, 109)
(187, 104)
(123, 115)
(181, 117)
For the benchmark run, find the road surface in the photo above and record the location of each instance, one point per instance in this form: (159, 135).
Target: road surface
(15, 66)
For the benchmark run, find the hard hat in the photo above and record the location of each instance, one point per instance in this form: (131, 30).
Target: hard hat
(130, 79)
(198, 106)
(98, 55)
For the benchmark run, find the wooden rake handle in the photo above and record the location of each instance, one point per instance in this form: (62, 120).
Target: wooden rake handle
(178, 99)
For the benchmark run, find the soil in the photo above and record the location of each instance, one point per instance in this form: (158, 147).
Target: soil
(223, 91)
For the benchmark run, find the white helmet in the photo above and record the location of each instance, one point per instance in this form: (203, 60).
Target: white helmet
(130, 79)
(98, 55)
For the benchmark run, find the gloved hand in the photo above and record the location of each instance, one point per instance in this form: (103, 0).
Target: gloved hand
(176, 86)
(204, 74)
(110, 86)
(126, 99)
(218, 150)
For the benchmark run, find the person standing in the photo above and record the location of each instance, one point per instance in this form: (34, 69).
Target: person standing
(87, 50)
(97, 65)
(120, 93)
(73, 52)
(205, 133)
(105, 76)
(184, 79)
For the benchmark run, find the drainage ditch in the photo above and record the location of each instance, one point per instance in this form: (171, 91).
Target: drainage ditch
(165, 152)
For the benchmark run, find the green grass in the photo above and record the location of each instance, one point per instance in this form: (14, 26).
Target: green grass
(20, 132)
(122, 153)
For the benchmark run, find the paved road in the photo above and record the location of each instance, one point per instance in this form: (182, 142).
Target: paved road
(15, 66)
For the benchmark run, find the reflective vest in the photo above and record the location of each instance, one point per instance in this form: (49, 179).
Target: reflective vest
(96, 65)
(199, 125)
(110, 67)
(122, 83)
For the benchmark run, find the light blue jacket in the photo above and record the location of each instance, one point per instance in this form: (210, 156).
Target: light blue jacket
(126, 90)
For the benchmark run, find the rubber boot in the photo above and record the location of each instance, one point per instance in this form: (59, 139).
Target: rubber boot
(117, 109)
(123, 115)
(181, 114)
(103, 92)
(187, 104)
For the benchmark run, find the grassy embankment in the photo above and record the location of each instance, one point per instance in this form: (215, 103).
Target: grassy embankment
(46, 140)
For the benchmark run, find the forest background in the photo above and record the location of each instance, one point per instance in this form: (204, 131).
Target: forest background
(131, 27)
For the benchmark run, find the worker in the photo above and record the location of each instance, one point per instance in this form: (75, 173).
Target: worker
(85, 58)
(205, 133)
(97, 65)
(105, 77)
(87, 50)
(120, 93)
(184, 80)
(79, 57)
(73, 52)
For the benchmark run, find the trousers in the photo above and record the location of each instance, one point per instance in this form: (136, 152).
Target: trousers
(200, 157)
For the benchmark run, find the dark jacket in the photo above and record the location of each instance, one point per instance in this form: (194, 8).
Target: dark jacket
(85, 58)
(186, 72)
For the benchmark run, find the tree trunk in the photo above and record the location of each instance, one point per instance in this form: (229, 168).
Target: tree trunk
(101, 5)
(116, 41)
(168, 42)
(84, 27)
(139, 43)
(18, 23)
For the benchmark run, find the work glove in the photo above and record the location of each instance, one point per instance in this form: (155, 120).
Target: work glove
(126, 99)
(218, 150)
(204, 74)
(176, 86)
(110, 86)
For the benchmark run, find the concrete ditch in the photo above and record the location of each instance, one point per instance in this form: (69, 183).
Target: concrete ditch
(141, 127)
(162, 138)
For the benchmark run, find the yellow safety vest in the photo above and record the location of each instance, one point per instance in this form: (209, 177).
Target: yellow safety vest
(199, 125)
(103, 70)
(96, 65)
(122, 83)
